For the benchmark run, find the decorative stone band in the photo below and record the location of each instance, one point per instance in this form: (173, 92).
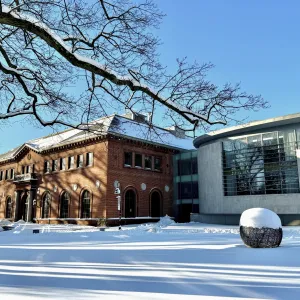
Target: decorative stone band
(261, 237)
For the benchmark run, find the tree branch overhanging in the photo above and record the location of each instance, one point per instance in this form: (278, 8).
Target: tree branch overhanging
(48, 44)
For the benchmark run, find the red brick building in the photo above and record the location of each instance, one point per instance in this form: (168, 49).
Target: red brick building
(76, 175)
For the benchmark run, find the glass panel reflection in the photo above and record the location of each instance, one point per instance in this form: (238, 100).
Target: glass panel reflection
(261, 164)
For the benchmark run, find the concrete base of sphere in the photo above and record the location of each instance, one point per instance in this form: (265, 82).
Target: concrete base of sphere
(261, 237)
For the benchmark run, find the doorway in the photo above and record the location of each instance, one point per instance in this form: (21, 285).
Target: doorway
(130, 204)
(23, 208)
(155, 204)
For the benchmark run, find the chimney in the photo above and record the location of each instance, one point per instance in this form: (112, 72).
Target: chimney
(129, 114)
(138, 117)
(178, 132)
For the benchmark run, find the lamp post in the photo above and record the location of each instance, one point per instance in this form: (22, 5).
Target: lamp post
(118, 197)
(119, 209)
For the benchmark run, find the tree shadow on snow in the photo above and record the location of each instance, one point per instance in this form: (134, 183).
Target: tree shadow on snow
(168, 267)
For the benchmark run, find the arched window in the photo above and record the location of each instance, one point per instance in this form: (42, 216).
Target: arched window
(86, 204)
(64, 205)
(8, 213)
(46, 205)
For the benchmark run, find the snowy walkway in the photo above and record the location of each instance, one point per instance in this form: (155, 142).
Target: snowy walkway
(177, 262)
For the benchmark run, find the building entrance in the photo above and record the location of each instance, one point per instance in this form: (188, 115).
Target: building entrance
(23, 207)
(130, 204)
(155, 204)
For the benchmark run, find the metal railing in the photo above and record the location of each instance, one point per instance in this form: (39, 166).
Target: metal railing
(24, 177)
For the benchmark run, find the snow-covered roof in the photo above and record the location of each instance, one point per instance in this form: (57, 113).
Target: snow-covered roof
(9, 154)
(126, 127)
(113, 125)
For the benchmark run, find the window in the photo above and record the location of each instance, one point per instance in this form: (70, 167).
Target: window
(188, 190)
(8, 213)
(27, 169)
(138, 160)
(128, 159)
(71, 162)
(86, 205)
(46, 204)
(157, 163)
(80, 161)
(194, 165)
(261, 164)
(12, 173)
(64, 205)
(33, 168)
(185, 167)
(1, 175)
(89, 159)
(47, 166)
(62, 164)
(6, 174)
(148, 162)
(54, 165)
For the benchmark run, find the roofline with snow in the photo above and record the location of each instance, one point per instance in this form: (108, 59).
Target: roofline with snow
(247, 128)
(128, 137)
(94, 137)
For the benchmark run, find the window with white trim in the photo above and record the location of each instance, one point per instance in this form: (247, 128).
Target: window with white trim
(54, 165)
(62, 164)
(80, 161)
(71, 162)
(47, 166)
(89, 159)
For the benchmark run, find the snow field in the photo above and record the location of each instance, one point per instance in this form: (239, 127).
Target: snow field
(152, 261)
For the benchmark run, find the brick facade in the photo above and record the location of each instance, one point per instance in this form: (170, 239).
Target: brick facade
(108, 167)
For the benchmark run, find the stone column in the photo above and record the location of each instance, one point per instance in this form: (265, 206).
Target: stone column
(30, 204)
(18, 198)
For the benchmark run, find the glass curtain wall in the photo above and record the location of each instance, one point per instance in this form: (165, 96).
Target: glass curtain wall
(261, 164)
(186, 184)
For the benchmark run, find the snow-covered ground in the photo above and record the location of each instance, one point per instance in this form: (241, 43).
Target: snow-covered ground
(180, 261)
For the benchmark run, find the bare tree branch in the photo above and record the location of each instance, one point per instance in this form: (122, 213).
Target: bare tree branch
(48, 47)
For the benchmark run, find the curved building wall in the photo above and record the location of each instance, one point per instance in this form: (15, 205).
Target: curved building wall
(273, 176)
(210, 179)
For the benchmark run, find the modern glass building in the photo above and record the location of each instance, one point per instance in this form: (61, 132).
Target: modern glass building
(186, 199)
(252, 165)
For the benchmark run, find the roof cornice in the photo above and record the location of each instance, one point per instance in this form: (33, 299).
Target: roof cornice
(247, 128)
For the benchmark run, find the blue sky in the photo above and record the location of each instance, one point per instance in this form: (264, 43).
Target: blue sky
(253, 42)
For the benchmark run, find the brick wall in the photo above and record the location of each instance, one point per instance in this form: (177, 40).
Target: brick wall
(133, 178)
(108, 166)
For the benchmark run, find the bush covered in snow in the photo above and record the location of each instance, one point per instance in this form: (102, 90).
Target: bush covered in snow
(5, 222)
(260, 228)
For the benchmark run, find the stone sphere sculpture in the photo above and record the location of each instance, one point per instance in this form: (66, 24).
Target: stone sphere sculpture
(260, 228)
